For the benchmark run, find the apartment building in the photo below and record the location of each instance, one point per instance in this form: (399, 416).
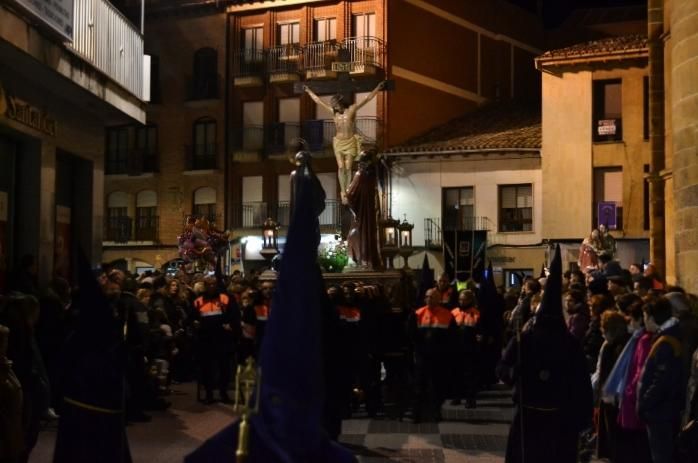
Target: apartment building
(446, 59)
(172, 166)
(68, 70)
(596, 157)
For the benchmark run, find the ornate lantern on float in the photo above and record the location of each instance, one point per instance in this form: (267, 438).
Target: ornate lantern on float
(270, 247)
(389, 240)
(405, 231)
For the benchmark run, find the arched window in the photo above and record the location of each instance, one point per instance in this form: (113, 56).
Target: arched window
(205, 74)
(205, 203)
(118, 226)
(203, 153)
(146, 216)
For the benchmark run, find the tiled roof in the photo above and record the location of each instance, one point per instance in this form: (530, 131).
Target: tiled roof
(495, 126)
(607, 46)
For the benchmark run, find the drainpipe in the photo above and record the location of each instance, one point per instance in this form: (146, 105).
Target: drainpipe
(655, 43)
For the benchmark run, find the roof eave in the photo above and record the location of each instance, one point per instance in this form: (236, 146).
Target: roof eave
(624, 55)
(484, 151)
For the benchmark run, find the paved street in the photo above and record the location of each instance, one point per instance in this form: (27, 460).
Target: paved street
(472, 436)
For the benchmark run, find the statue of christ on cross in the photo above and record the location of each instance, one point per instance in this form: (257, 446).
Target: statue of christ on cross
(346, 143)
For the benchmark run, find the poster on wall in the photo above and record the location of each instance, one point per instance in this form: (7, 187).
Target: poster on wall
(62, 244)
(56, 14)
(4, 251)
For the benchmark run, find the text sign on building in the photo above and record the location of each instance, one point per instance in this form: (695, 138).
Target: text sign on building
(57, 14)
(607, 127)
(341, 66)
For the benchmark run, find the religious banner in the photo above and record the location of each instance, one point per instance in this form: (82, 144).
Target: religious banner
(607, 215)
(62, 243)
(465, 252)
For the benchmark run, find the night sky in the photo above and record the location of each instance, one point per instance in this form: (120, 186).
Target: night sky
(555, 11)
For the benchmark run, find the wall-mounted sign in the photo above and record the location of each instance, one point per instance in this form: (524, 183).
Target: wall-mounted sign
(607, 127)
(503, 259)
(20, 111)
(56, 14)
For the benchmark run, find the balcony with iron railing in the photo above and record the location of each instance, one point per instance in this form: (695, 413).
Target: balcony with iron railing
(107, 40)
(203, 156)
(318, 58)
(284, 63)
(366, 54)
(251, 214)
(249, 68)
(146, 228)
(118, 229)
(250, 142)
(434, 227)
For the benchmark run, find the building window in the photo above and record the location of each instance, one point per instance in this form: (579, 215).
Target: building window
(253, 38)
(646, 198)
(289, 33)
(458, 208)
(646, 108)
(607, 110)
(117, 150)
(516, 208)
(608, 197)
(325, 29)
(363, 25)
(118, 226)
(146, 228)
(146, 152)
(203, 152)
(205, 204)
(205, 75)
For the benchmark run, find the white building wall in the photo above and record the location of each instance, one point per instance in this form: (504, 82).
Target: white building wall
(417, 186)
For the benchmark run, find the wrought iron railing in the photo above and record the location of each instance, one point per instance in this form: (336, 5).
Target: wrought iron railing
(106, 39)
(249, 62)
(453, 222)
(284, 59)
(331, 217)
(319, 133)
(433, 237)
(320, 55)
(279, 136)
(364, 51)
(118, 229)
(201, 156)
(146, 228)
(249, 214)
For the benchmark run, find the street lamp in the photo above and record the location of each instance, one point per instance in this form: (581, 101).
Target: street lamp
(405, 230)
(270, 235)
(389, 240)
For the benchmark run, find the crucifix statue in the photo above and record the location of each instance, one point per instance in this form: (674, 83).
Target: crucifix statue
(347, 142)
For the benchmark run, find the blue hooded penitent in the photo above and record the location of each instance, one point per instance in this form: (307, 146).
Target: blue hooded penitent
(289, 426)
(92, 426)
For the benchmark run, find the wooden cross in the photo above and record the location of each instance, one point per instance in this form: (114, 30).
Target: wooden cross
(344, 85)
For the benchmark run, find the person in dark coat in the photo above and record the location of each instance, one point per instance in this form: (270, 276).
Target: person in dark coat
(662, 384)
(552, 388)
(578, 311)
(92, 424)
(465, 368)
(615, 332)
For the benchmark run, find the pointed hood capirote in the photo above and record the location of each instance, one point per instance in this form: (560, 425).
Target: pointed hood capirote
(550, 312)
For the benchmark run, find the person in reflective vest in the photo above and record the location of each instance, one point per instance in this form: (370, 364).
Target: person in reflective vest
(431, 330)
(467, 318)
(219, 329)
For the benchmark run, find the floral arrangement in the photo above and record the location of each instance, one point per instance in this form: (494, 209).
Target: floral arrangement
(333, 257)
(200, 242)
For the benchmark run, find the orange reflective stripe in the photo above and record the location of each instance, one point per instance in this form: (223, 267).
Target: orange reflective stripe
(468, 317)
(349, 314)
(262, 312)
(433, 318)
(212, 307)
